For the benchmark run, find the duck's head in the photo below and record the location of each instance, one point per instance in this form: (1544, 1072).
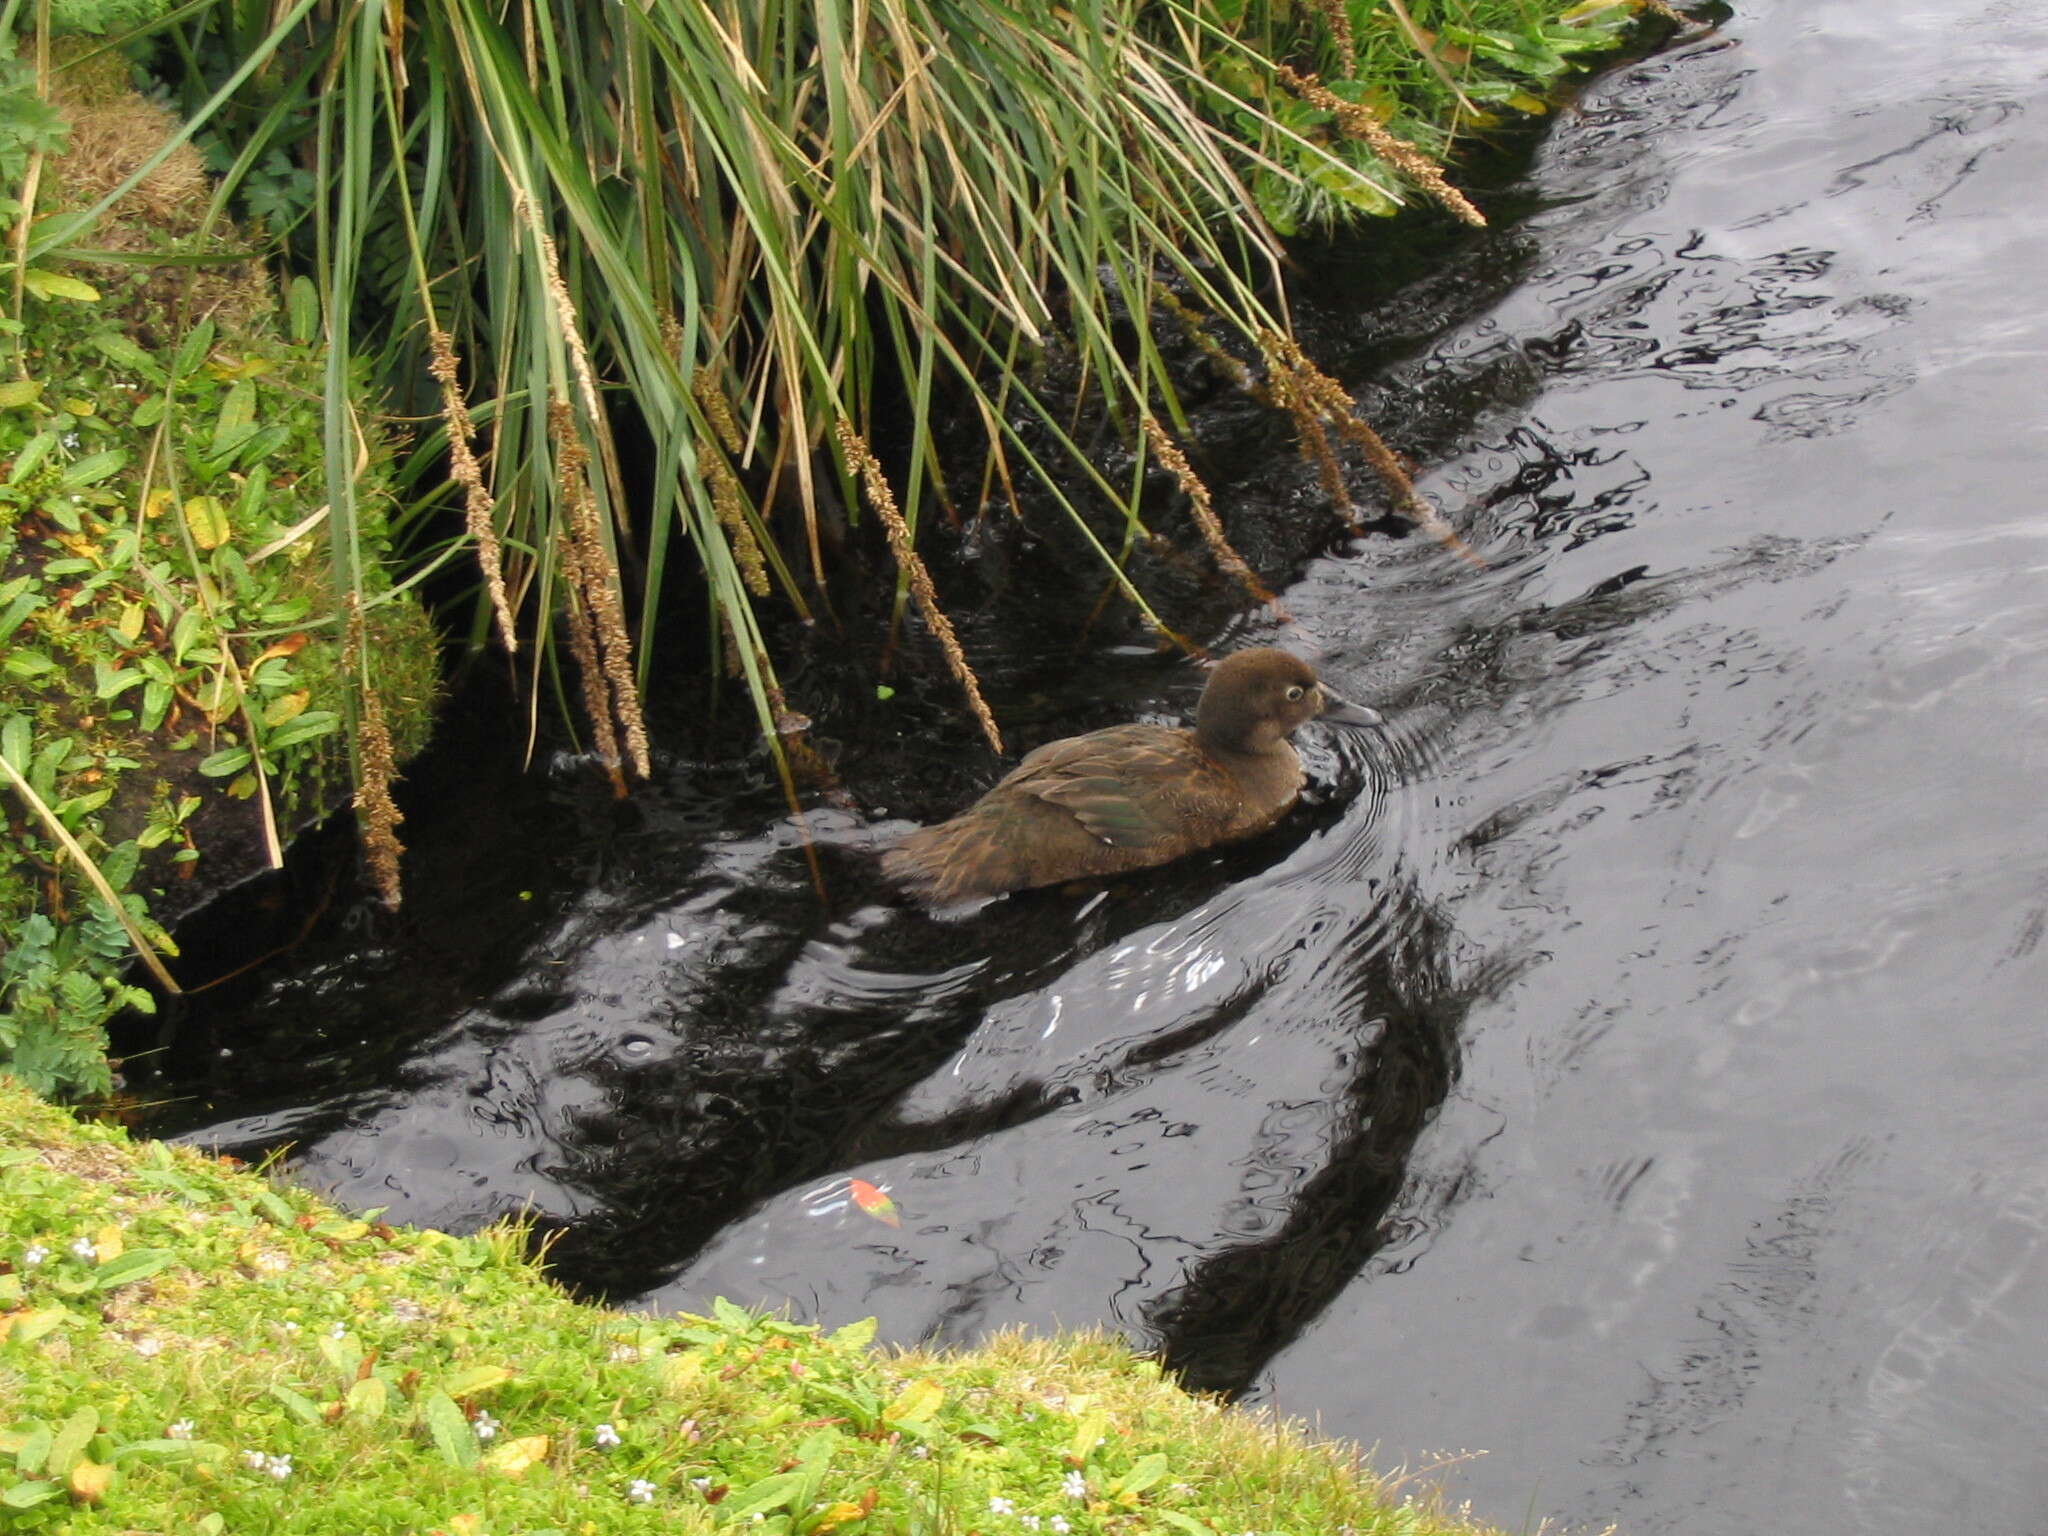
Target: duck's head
(1255, 700)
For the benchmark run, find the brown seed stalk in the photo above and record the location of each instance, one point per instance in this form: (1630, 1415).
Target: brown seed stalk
(377, 814)
(861, 460)
(478, 505)
(1203, 509)
(1358, 122)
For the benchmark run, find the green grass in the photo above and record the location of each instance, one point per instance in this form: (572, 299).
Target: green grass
(186, 1346)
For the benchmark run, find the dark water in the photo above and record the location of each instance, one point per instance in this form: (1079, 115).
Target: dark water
(1631, 1068)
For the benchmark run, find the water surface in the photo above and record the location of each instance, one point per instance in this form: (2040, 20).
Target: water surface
(1631, 1067)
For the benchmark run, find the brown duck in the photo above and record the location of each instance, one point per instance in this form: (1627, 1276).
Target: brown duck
(1134, 795)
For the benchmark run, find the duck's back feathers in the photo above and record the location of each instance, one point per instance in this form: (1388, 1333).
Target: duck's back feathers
(1101, 804)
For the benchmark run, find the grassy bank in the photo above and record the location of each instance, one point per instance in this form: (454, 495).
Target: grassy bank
(189, 1346)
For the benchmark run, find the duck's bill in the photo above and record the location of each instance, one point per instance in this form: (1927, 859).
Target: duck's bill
(1344, 712)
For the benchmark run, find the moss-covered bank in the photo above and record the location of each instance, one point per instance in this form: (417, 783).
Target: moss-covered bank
(179, 672)
(188, 1346)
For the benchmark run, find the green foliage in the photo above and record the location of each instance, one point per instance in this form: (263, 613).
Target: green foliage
(106, 18)
(167, 621)
(61, 984)
(1430, 71)
(28, 124)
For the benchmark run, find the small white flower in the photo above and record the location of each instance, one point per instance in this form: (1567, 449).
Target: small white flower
(701, 1484)
(33, 1255)
(84, 1249)
(1059, 1523)
(1029, 1522)
(182, 1430)
(149, 1346)
(1074, 1486)
(998, 1505)
(921, 1452)
(255, 1461)
(290, 1326)
(279, 1467)
(641, 1491)
(339, 1330)
(604, 1434)
(623, 1352)
(484, 1425)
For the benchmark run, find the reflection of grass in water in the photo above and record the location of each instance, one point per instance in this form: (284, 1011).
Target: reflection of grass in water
(190, 1347)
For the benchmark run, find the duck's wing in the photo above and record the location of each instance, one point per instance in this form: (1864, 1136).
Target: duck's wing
(1118, 784)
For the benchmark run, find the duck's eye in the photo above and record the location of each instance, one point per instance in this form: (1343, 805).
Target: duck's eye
(1295, 692)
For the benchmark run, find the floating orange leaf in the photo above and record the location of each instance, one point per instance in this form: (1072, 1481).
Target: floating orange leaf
(875, 1202)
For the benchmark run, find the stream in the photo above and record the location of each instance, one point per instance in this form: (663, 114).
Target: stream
(1621, 1068)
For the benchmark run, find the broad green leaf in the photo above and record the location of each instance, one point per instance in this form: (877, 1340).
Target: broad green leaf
(916, 1403)
(1087, 1435)
(94, 468)
(855, 1335)
(1143, 1474)
(70, 1441)
(237, 417)
(208, 520)
(34, 1449)
(228, 760)
(286, 706)
(343, 1355)
(450, 1430)
(170, 1450)
(14, 613)
(302, 305)
(477, 1379)
(771, 1492)
(515, 1456)
(184, 632)
(20, 392)
(29, 1495)
(302, 1407)
(58, 285)
(110, 683)
(33, 452)
(368, 1397)
(119, 349)
(193, 349)
(307, 727)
